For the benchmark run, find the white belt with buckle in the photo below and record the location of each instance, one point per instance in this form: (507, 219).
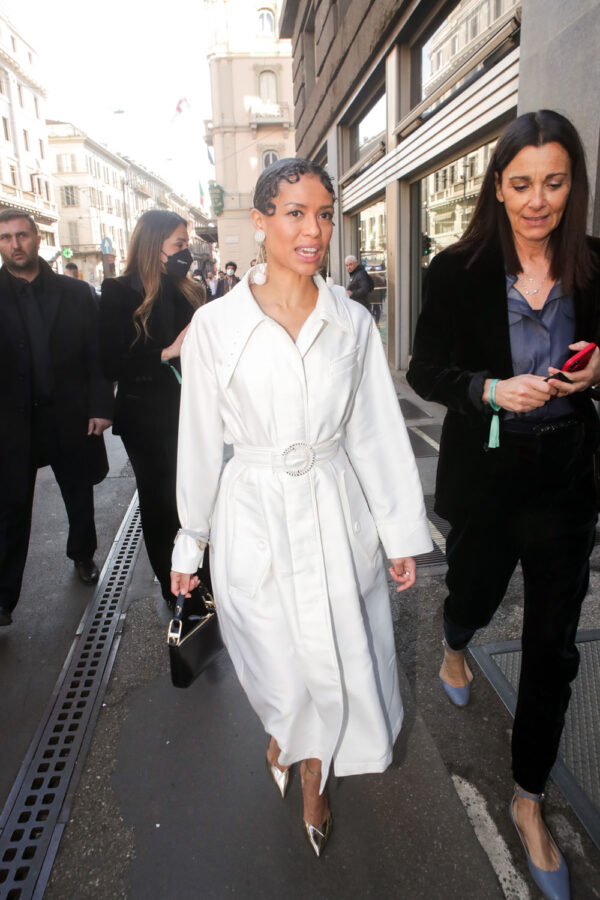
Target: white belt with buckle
(297, 459)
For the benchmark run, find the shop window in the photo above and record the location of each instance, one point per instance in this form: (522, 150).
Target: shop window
(442, 205)
(267, 86)
(372, 244)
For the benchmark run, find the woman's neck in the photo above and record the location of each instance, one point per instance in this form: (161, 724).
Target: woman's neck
(532, 254)
(286, 288)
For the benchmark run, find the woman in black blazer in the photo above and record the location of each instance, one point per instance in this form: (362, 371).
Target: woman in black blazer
(144, 316)
(504, 309)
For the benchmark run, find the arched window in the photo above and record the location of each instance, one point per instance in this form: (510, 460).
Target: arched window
(269, 157)
(267, 86)
(266, 23)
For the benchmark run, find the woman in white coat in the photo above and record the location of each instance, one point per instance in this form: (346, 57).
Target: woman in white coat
(293, 374)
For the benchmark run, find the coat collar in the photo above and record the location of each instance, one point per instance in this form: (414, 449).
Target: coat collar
(246, 315)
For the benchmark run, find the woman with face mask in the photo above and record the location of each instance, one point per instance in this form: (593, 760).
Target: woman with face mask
(144, 315)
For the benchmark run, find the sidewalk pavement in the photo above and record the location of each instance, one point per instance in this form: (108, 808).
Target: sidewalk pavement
(175, 801)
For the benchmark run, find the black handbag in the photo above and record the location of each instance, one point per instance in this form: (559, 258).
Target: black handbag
(194, 637)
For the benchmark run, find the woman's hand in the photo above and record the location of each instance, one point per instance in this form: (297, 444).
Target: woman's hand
(522, 393)
(174, 349)
(183, 583)
(581, 380)
(404, 572)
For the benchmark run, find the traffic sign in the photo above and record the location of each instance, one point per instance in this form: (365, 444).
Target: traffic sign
(107, 246)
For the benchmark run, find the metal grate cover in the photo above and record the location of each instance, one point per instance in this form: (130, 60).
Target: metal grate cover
(37, 809)
(439, 528)
(577, 770)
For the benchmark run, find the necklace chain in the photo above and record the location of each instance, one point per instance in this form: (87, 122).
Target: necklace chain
(530, 278)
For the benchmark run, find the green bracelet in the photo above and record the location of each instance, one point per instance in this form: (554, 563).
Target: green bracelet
(167, 362)
(494, 435)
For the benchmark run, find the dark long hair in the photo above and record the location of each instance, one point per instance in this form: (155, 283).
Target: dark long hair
(289, 169)
(571, 259)
(152, 229)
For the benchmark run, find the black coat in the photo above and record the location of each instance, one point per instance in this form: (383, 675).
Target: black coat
(147, 402)
(463, 332)
(223, 286)
(80, 390)
(360, 285)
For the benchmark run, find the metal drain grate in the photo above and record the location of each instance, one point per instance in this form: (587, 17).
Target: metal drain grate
(577, 770)
(439, 532)
(35, 814)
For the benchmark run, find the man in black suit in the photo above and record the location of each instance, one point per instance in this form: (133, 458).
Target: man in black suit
(229, 281)
(54, 403)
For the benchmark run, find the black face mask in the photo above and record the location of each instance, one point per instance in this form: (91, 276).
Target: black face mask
(178, 264)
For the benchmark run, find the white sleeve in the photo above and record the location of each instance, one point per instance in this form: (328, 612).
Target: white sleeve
(200, 448)
(379, 449)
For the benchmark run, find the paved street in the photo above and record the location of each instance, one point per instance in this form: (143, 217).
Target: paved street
(174, 799)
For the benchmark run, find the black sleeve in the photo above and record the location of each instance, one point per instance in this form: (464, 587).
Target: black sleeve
(101, 395)
(433, 371)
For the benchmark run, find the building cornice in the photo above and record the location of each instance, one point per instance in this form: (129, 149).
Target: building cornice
(9, 62)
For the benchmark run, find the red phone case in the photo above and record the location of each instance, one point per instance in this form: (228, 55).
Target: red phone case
(579, 360)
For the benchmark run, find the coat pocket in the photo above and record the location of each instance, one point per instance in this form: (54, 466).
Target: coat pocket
(250, 551)
(359, 521)
(343, 363)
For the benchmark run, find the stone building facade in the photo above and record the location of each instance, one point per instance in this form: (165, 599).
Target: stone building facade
(25, 171)
(252, 111)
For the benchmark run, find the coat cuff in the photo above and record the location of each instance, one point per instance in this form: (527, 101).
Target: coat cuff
(187, 555)
(476, 389)
(399, 542)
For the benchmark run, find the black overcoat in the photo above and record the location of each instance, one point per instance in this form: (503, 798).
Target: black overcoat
(463, 332)
(147, 402)
(80, 390)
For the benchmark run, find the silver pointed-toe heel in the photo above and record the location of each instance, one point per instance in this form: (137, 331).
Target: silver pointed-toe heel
(279, 776)
(318, 837)
(553, 885)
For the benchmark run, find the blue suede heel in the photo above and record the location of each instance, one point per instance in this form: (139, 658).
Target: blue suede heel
(553, 885)
(460, 696)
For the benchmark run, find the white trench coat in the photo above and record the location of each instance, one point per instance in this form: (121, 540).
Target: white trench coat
(298, 574)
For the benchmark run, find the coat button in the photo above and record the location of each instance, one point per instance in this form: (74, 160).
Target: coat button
(262, 545)
(356, 527)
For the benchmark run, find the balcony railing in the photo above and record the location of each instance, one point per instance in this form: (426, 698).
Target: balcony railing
(10, 195)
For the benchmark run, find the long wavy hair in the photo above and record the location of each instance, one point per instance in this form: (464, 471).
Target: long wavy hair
(571, 259)
(150, 233)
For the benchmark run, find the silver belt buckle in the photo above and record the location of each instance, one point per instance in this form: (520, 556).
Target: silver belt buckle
(302, 469)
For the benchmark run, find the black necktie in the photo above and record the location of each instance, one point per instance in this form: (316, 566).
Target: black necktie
(37, 332)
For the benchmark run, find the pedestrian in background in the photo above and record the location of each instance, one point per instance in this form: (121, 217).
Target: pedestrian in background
(228, 281)
(144, 315)
(503, 309)
(54, 402)
(360, 284)
(72, 271)
(294, 376)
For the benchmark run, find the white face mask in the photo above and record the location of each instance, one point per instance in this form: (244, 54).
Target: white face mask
(230, 272)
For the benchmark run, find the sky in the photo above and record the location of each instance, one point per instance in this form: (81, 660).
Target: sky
(140, 58)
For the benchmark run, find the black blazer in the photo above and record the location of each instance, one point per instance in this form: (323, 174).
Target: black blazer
(463, 332)
(147, 402)
(80, 390)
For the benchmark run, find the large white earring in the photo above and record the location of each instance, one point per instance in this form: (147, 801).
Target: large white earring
(259, 273)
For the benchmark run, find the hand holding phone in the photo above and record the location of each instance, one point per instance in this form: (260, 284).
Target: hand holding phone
(580, 359)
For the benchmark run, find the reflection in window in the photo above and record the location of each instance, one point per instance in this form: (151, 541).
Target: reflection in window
(266, 23)
(267, 86)
(466, 28)
(269, 157)
(372, 255)
(366, 131)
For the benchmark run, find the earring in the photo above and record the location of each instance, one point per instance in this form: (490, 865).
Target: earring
(259, 273)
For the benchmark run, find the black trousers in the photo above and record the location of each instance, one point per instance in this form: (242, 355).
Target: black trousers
(154, 462)
(15, 527)
(537, 507)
